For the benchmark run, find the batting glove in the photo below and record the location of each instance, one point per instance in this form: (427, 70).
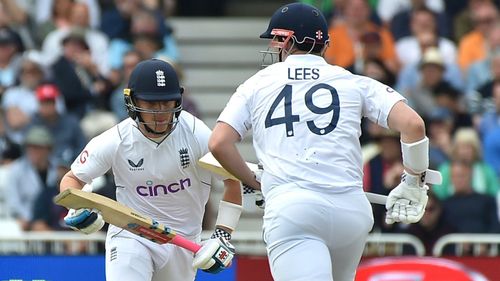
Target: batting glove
(247, 190)
(215, 255)
(85, 220)
(406, 203)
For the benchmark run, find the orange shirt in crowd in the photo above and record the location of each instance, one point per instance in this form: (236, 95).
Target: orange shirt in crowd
(341, 49)
(471, 48)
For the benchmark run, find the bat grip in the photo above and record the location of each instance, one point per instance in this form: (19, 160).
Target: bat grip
(185, 243)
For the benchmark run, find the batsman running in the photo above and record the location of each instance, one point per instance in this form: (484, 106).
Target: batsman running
(305, 115)
(153, 156)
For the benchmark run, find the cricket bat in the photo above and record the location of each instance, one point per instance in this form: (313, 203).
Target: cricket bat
(122, 216)
(209, 162)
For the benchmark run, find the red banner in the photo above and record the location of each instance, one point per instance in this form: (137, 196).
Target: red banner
(395, 269)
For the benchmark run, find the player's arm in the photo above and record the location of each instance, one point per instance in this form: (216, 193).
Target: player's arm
(222, 144)
(405, 120)
(208, 258)
(229, 207)
(85, 220)
(85, 168)
(69, 180)
(406, 202)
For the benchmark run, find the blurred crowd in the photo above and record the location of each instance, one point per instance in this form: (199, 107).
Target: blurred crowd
(64, 64)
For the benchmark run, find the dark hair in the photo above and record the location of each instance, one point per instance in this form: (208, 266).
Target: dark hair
(445, 89)
(390, 78)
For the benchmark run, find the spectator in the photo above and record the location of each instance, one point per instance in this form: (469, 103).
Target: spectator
(347, 46)
(440, 125)
(9, 151)
(484, 71)
(492, 149)
(451, 99)
(75, 74)
(432, 226)
(50, 15)
(466, 210)
(9, 58)
(30, 174)
(473, 46)
(489, 129)
(419, 83)
(116, 18)
(461, 14)
(19, 102)
(410, 75)
(376, 69)
(68, 136)
(467, 148)
(117, 102)
(382, 173)
(48, 216)
(14, 14)
(424, 35)
(401, 22)
(148, 35)
(79, 22)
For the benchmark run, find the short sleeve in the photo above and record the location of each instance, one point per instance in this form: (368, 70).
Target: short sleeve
(236, 113)
(378, 101)
(96, 158)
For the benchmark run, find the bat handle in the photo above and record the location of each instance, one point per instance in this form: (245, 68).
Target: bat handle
(185, 243)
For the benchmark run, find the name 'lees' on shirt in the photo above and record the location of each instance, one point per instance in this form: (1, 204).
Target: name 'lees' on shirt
(303, 73)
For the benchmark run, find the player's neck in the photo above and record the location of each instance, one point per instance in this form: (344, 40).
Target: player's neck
(154, 136)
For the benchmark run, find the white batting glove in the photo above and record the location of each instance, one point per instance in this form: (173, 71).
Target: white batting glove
(85, 220)
(247, 190)
(214, 256)
(406, 202)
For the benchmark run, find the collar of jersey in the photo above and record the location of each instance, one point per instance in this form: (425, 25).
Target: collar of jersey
(305, 59)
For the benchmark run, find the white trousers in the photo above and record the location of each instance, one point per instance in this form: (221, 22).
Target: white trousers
(315, 236)
(131, 259)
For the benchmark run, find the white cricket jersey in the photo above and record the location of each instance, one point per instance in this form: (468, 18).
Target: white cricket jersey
(162, 181)
(306, 116)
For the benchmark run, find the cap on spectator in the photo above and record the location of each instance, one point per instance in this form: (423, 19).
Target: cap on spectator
(46, 92)
(7, 36)
(77, 36)
(39, 136)
(432, 56)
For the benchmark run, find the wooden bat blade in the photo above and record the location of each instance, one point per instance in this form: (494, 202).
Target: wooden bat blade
(209, 162)
(122, 216)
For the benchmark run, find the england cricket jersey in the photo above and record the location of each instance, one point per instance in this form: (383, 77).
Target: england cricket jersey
(162, 181)
(306, 120)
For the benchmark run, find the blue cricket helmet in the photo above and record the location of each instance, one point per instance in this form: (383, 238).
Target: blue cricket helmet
(308, 24)
(154, 80)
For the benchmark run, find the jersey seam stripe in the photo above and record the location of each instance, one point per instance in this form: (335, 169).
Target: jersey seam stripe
(119, 134)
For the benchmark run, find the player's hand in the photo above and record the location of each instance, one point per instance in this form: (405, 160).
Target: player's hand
(85, 220)
(214, 256)
(259, 198)
(247, 190)
(406, 203)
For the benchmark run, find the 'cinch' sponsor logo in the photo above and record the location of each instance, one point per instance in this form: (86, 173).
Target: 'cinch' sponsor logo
(151, 189)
